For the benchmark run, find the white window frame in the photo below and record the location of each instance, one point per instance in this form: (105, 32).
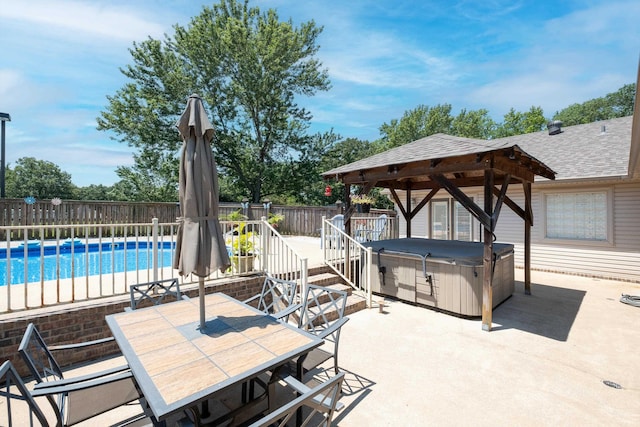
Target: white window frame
(607, 241)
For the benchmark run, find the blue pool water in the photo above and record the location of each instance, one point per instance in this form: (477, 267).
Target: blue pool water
(87, 260)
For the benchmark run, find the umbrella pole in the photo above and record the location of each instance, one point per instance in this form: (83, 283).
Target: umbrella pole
(205, 404)
(201, 293)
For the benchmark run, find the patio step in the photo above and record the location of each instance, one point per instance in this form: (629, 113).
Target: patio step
(324, 279)
(355, 302)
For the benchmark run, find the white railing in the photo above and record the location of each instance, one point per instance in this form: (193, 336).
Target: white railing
(86, 265)
(281, 260)
(347, 258)
(370, 228)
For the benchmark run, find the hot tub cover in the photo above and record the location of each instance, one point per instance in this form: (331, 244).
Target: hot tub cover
(450, 251)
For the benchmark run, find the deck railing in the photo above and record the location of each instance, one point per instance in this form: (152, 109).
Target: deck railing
(43, 268)
(347, 257)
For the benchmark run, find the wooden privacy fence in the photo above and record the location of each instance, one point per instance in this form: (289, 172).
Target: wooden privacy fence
(298, 220)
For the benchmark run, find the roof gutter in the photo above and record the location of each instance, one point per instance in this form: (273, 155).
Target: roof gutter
(594, 180)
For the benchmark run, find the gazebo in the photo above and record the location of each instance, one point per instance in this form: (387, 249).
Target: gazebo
(452, 163)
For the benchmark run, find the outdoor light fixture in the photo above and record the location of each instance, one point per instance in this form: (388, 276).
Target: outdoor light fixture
(4, 117)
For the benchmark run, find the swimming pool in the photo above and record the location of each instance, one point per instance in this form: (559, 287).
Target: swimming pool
(82, 259)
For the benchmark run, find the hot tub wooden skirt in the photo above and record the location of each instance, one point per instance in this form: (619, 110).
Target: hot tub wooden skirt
(447, 286)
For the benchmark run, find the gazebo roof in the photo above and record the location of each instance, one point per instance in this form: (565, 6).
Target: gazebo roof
(461, 160)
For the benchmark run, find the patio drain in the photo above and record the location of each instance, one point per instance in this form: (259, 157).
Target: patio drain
(611, 384)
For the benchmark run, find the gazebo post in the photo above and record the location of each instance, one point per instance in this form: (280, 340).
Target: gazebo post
(528, 223)
(487, 280)
(409, 213)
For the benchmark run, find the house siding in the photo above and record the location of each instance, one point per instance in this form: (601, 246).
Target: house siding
(618, 259)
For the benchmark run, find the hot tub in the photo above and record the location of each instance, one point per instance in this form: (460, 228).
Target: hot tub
(444, 274)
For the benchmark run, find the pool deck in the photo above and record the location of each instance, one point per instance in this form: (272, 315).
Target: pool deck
(543, 364)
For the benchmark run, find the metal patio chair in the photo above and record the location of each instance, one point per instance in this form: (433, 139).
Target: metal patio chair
(334, 237)
(13, 396)
(322, 401)
(277, 298)
(322, 314)
(74, 399)
(379, 224)
(154, 293)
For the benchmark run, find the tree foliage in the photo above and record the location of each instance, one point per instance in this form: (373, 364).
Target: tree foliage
(418, 123)
(473, 124)
(616, 104)
(518, 123)
(346, 151)
(94, 192)
(38, 178)
(249, 68)
(424, 121)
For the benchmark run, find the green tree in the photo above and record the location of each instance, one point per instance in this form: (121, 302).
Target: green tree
(424, 121)
(612, 105)
(518, 123)
(417, 123)
(346, 151)
(143, 115)
(303, 181)
(93, 192)
(250, 69)
(473, 124)
(38, 178)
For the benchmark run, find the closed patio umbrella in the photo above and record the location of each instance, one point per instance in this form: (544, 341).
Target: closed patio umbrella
(200, 248)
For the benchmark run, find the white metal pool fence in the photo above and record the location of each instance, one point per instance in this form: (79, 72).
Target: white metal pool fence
(252, 245)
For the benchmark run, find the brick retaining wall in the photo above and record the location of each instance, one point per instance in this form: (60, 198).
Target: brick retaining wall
(85, 321)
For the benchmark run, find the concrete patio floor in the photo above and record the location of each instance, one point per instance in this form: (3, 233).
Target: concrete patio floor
(543, 364)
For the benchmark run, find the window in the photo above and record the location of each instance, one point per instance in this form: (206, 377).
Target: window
(577, 216)
(462, 223)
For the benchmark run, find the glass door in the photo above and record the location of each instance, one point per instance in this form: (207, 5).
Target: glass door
(440, 219)
(462, 223)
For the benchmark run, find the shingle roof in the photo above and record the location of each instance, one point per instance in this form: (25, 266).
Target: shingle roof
(431, 147)
(581, 151)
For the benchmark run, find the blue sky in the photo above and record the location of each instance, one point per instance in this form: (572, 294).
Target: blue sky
(60, 59)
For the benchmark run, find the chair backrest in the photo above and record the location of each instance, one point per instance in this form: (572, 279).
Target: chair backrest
(322, 401)
(37, 356)
(154, 293)
(14, 396)
(378, 227)
(322, 307)
(338, 221)
(277, 295)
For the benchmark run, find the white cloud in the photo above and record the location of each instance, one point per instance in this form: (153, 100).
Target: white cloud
(77, 19)
(486, 10)
(571, 59)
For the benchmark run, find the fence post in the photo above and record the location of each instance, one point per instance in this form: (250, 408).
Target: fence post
(154, 234)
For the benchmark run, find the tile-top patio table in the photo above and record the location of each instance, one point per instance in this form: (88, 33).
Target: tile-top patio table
(177, 366)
